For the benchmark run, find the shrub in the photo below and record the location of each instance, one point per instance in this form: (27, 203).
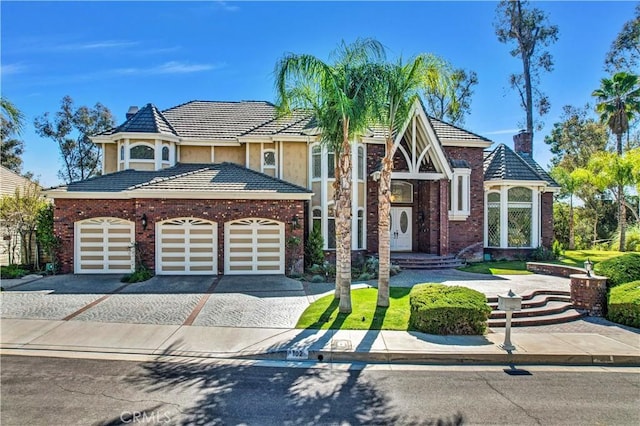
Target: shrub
(140, 274)
(313, 248)
(542, 254)
(557, 249)
(620, 269)
(394, 270)
(624, 304)
(316, 269)
(441, 309)
(317, 279)
(365, 276)
(12, 271)
(632, 239)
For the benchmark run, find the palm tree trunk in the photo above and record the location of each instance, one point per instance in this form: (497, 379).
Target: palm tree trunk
(384, 232)
(622, 217)
(343, 227)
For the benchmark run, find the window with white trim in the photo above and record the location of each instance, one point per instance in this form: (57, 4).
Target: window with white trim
(165, 153)
(122, 153)
(493, 219)
(360, 235)
(268, 159)
(141, 152)
(316, 218)
(316, 162)
(460, 194)
(331, 228)
(401, 192)
(519, 217)
(331, 164)
(361, 165)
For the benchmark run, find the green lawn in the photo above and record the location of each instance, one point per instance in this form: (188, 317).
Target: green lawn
(323, 313)
(517, 267)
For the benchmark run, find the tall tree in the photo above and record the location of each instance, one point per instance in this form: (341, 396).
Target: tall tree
(11, 124)
(618, 105)
(624, 54)
(576, 138)
(448, 92)
(529, 31)
(71, 129)
(570, 182)
(337, 94)
(395, 96)
(614, 172)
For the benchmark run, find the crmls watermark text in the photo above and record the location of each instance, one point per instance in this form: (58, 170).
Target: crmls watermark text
(141, 417)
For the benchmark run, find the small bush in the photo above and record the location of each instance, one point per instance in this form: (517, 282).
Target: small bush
(316, 269)
(12, 271)
(620, 269)
(557, 249)
(313, 248)
(542, 254)
(317, 279)
(394, 270)
(624, 304)
(139, 275)
(632, 239)
(365, 276)
(441, 309)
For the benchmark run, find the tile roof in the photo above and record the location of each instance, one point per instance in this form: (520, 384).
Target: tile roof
(147, 120)
(222, 177)
(219, 120)
(504, 164)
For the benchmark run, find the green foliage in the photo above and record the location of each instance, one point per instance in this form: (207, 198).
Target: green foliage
(70, 130)
(365, 276)
(624, 304)
(12, 271)
(632, 239)
(141, 273)
(314, 247)
(317, 279)
(441, 309)
(620, 269)
(624, 52)
(366, 270)
(44, 232)
(557, 249)
(542, 254)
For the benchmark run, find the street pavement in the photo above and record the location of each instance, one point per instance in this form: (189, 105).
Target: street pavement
(254, 317)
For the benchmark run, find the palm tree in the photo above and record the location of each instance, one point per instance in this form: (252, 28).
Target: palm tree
(618, 104)
(12, 117)
(397, 93)
(337, 95)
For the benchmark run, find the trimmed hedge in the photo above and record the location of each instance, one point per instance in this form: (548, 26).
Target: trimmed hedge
(624, 304)
(441, 309)
(620, 269)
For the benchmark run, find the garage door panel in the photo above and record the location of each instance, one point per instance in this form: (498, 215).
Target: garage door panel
(186, 246)
(254, 246)
(104, 245)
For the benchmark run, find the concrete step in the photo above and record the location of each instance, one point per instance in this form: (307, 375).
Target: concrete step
(559, 318)
(550, 308)
(537, 301)
(534, 294)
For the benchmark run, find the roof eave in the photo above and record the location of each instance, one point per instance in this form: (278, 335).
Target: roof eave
(178, 194)
(466, 143)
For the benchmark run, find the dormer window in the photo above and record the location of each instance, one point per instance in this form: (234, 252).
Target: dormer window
(269, 159)
(165, 153)
(141, 152)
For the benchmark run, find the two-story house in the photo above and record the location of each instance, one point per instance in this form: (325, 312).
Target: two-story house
(228, 187)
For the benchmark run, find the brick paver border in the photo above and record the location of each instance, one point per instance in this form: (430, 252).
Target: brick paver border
(95, 302)
(203, 300)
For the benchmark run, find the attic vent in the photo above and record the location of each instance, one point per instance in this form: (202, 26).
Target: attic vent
(133, 110)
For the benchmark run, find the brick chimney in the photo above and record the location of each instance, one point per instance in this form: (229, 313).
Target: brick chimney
(133, 110)
(522, 143)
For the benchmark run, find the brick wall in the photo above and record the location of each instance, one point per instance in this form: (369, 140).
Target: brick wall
(375, 154)
(67, 212)
(589, 294)
(469, 232)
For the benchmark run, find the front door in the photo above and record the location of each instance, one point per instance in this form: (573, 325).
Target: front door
(401, 229)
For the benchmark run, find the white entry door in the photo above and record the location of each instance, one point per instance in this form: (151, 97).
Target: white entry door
(401, 229)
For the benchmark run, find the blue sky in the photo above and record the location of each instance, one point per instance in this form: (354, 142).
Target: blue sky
(167, 53)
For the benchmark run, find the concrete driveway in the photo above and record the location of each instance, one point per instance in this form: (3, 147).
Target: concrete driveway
(240, 301)
(223, 301)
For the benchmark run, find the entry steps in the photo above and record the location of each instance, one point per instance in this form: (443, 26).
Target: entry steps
(425, 261)
(541, 307)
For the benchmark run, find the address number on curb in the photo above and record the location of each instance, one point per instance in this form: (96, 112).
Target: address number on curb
(297, 354)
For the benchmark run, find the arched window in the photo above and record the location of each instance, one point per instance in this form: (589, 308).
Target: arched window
(122, 153)
(269, 159)
(316, 217)
(401, 192)
(331, 228)
(165, 153)
(316, 162)
(331, 164)
(141, 152)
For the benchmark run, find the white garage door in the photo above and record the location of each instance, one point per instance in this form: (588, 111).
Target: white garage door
(186, 246)
(254, 246)
(104, 245)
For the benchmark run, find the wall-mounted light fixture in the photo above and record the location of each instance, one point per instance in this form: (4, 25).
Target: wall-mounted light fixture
(376, 175)
(421, 217)
(295, 222)
(144, 222)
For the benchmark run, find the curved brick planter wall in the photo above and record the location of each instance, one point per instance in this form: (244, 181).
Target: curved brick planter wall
(553, 269)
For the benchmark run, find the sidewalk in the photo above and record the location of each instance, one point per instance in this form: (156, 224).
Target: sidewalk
(62, 338)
